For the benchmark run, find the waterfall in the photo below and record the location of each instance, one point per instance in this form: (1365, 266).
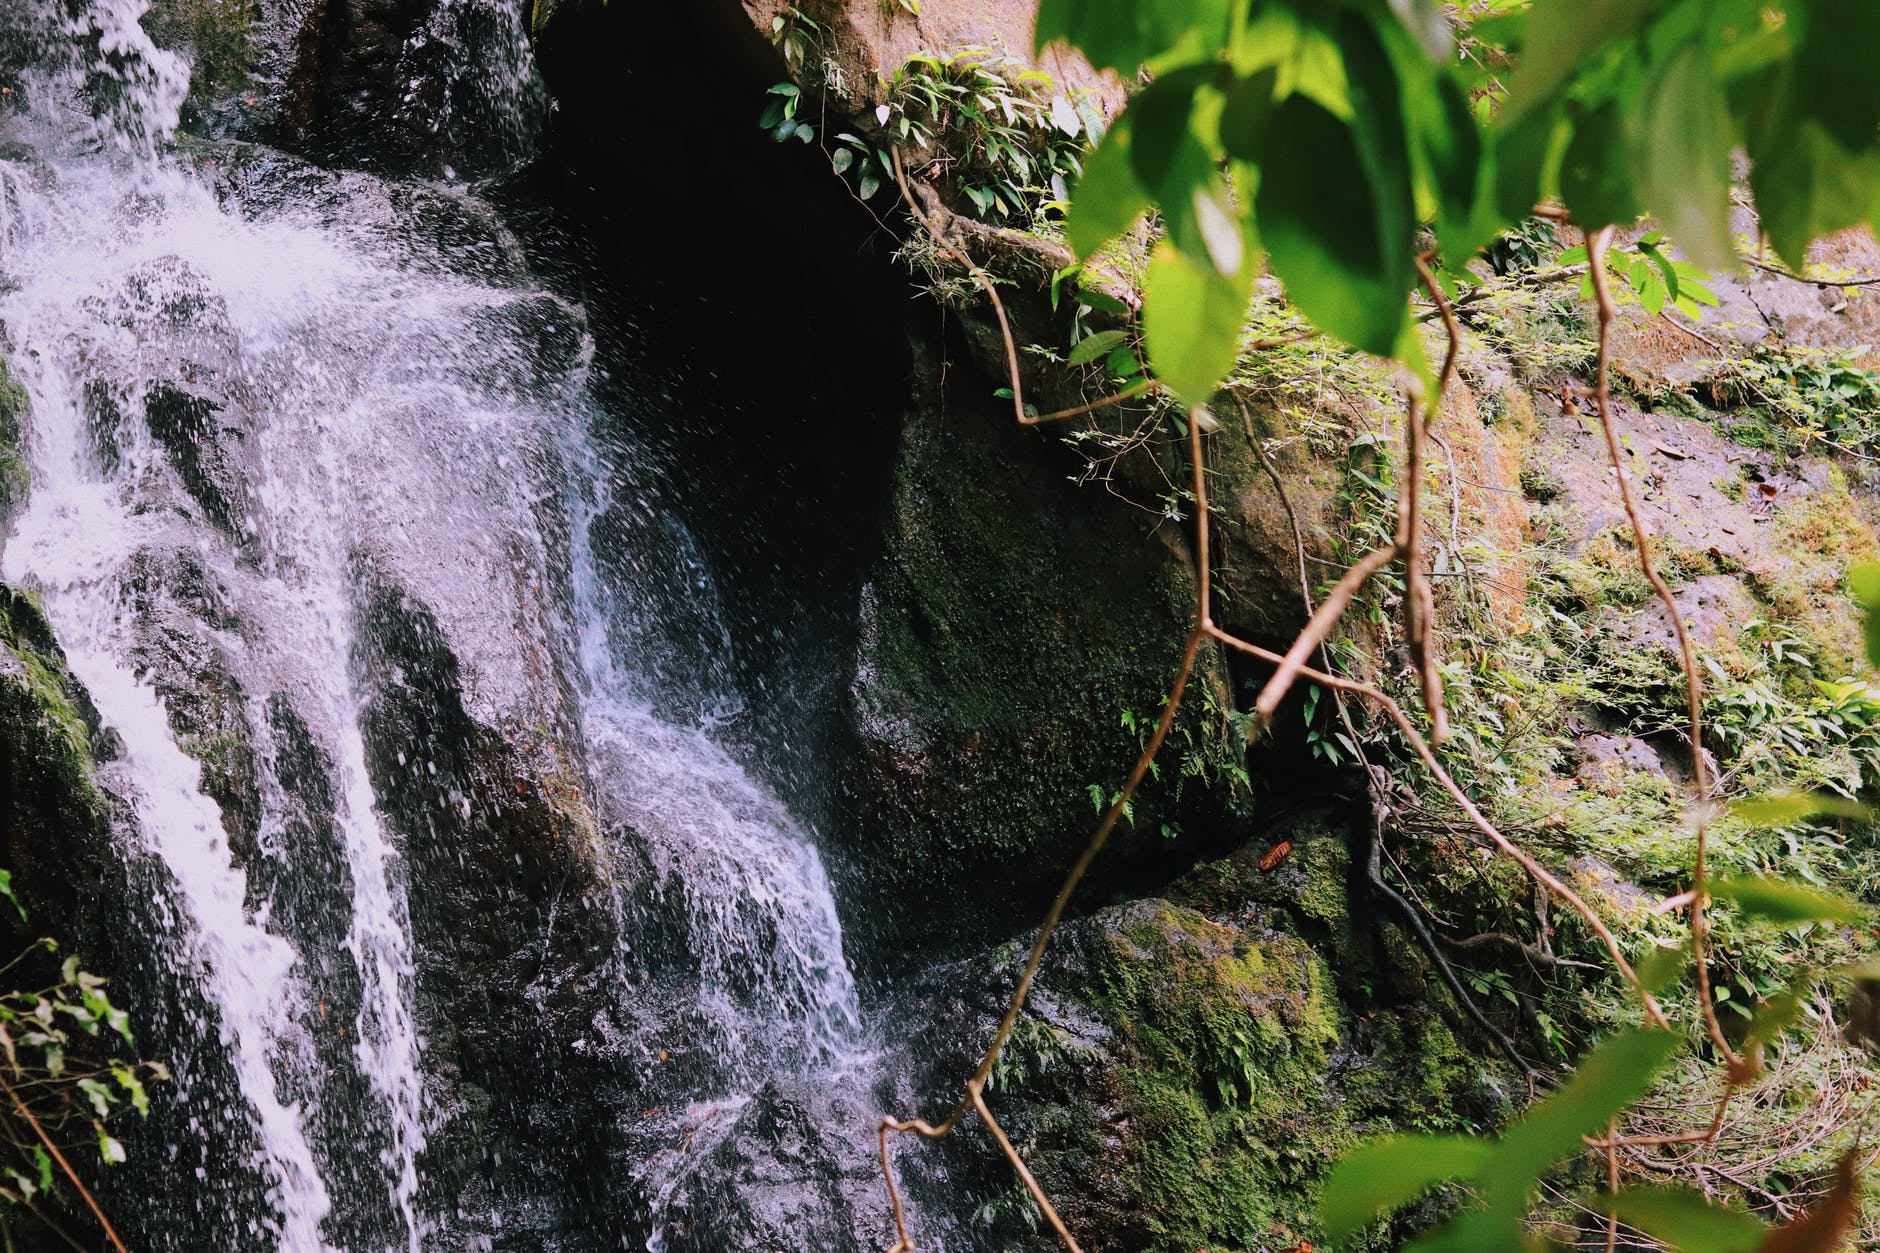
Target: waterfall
(756, 902)
(98, 288)
(256, 389)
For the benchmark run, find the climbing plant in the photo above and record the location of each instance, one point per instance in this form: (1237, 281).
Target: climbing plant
(1365, 153)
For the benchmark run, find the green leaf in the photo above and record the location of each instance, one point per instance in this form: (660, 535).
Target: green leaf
(1527, 160)
(1680, 141)
(1452, 153)
(1864, 582)
(1247, 113)
(1786, 809)
(1595, 178)
(1090, 347)
(1103, 302)
(133, 1087)
(1559, 38)
(1662, 966)
(1831, 86)
(1782, 902)
(1064, 116)
(1774, 1016)
(109, 1149)
(1807, 186)
(1382, 1174)
(1683, 1219)
(6, 890)
(1191, 316)
(1177, 164)
(1123, 35)
(1609, 1078)
(1320, 214)
(1108, 198)
(99, 1096)
(1425, 21)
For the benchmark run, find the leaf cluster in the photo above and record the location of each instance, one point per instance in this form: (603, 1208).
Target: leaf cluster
(1341, 140)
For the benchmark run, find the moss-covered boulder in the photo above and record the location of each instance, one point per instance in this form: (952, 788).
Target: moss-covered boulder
(220, 38)
(53, 817)
(1189, 1067)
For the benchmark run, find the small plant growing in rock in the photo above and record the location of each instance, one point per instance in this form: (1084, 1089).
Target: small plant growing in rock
(61, 1083)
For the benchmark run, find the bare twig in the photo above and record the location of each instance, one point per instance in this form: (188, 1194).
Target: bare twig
(1779, 271)
(65, 1167)
(1597, 244)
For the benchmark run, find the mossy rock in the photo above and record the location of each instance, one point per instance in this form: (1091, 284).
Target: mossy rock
(15, 477)
(54, 820)
(219, 37)
(1184, 1081)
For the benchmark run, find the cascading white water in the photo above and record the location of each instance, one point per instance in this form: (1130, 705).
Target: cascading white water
(72, 546)
(375, 421)
(758, 906)
(468, 68)
(774, 995)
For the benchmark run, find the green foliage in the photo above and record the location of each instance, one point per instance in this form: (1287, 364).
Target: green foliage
(1343, 137)
(1343, 141)
(1685, 1220)
(1385, 1175)
(798, 36)
(999, 134)
(58, 1040)
(1784, 903)
(1811, 395)
(1653, 275)
(781, 105)
(995, 134)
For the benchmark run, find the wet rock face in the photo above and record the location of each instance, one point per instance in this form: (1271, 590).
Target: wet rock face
(512, 924)
(1012, 627)
(15, 479)
(344, 63)
(60, 837)
(164, 325)
(187, 622)
(388, 82)
(759, 1172)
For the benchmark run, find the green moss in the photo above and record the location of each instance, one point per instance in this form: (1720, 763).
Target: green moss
(1604, 573)
(1226, 1040)
(1817, 540)
(1542, 482)
(40, 718)
(1424, 1079)
(15, 479)
(219, 38)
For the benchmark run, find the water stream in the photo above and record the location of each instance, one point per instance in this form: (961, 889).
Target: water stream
(289, 384)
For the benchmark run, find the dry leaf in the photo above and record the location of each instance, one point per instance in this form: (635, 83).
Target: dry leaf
(1827, 1221)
